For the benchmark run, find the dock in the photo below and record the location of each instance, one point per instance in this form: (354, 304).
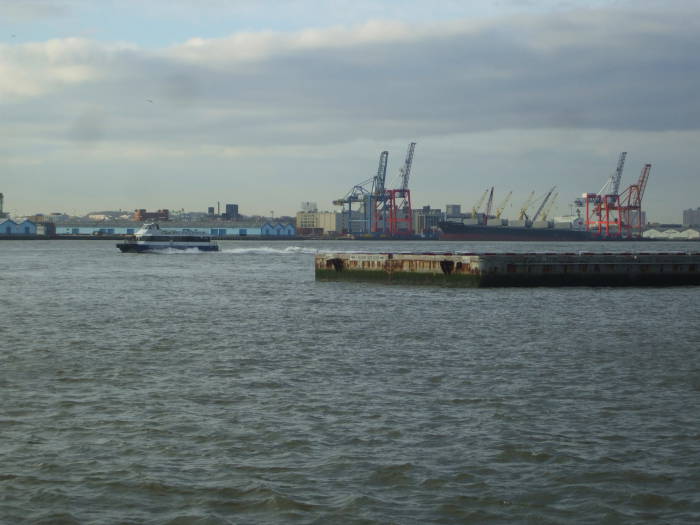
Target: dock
(512, 269)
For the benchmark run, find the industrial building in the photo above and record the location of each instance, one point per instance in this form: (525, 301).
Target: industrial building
(8, 227)
(231, 212)
(266, 230)
(319, 223)
(142, 215)
(672, 234)
(278, 230)
(426, 220)
(691, 217)
(453, 211)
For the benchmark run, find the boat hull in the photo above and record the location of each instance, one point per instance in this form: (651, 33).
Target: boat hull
(455, 231)
(154, 248)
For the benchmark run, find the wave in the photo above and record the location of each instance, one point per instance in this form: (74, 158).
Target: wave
(266, 250)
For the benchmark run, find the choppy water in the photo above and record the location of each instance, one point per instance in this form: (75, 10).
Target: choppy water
(233, 388)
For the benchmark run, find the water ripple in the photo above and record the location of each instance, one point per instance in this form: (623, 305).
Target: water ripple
(232, 388)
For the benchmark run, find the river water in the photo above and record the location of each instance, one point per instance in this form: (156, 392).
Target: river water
(232, 388)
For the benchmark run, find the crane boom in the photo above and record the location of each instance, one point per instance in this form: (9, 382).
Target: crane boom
(612, 185)
(380, 177)
(544, 202)
(526, 205)
(502, 206)
(618, 173)
(406, 169)
(545, 212)
(477, 206)
(642, 183)
(488, 207)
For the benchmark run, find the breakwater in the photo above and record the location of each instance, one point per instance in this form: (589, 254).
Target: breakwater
(513, 269)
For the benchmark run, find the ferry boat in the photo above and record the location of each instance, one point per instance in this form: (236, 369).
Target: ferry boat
(150, 238)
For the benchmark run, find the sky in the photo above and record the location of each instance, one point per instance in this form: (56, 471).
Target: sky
(108, 105)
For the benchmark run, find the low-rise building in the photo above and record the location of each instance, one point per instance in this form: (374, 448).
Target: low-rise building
(328, 222)
(672, 234)
(142, 215)
(691, 217)
(278, 230)
(8, 227)
(426, 219)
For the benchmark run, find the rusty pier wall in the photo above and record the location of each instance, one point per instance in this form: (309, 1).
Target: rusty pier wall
(513, 269)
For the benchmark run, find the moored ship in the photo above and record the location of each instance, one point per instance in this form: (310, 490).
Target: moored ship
(151, 238)
(458, 231)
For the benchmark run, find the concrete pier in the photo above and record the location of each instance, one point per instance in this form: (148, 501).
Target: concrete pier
(513, 269)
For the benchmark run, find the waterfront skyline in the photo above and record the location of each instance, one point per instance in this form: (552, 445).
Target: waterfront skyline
(269, 104)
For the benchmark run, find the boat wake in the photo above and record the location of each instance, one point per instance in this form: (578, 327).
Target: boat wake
(266, 250)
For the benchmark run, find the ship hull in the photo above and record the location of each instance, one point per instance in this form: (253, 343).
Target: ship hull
(455, 231)
(154, 248)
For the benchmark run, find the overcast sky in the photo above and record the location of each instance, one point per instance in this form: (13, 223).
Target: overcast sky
(180, 104)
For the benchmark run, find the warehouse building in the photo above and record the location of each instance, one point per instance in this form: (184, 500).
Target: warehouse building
(673, 234)
(8, 227)
(278, 230)
(319, 222)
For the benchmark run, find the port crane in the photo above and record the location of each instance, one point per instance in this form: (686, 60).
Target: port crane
(613, 182)
(545, 212)
(502, 206)
(488, 207)
(614, 214)
(382, 210)
(544, 202)
(357, 194)
(477, 206)
(379, 216)
(526, 205)
(399, 200)
(631, 205)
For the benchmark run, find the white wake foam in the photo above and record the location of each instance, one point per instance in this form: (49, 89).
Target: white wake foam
(267, 250)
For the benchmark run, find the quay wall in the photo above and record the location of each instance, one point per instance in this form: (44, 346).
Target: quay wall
(513, 269)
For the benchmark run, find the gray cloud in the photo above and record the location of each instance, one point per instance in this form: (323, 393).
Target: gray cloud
(26, 10)
(264, 94)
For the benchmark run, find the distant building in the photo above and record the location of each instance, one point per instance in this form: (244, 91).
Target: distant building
(2, 213)
(691, 217)
(9, 227)
(672, 234)
(309, 207)
(210, 211)
(327, 222)
(38, 218)
(453, 210)
(426, 219)
(634, 217)
(143, 215)
(231, 212)
(278, 230)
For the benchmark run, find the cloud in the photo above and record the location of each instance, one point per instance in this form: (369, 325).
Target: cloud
(574, 69)
(28, 10)
(264, 95)
(46, 68)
